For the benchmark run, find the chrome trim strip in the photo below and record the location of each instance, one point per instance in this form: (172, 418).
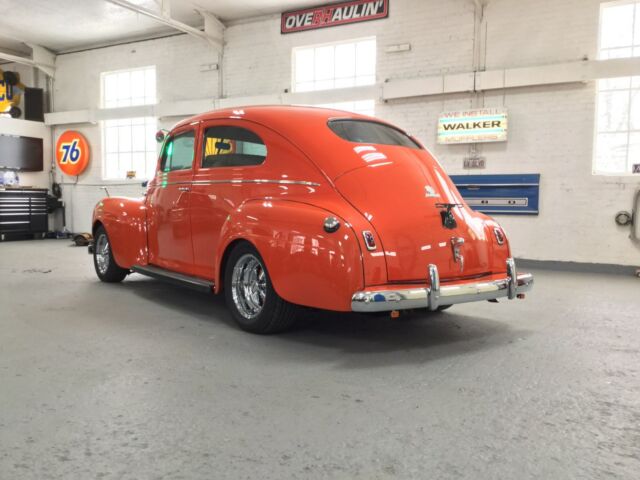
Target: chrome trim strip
(259, 180)
(168, 275)
(435, 294)
(238, 181)
(478, 185)
(13, 223)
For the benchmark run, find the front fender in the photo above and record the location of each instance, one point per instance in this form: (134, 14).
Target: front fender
(307, 265)
(125, 220)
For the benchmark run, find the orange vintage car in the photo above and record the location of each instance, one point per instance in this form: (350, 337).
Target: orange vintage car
(280, 207)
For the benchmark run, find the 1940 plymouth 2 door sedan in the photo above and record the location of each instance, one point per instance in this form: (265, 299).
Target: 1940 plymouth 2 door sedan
(281, 207)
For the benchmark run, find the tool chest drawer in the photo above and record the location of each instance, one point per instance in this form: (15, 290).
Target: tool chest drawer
(23, 210)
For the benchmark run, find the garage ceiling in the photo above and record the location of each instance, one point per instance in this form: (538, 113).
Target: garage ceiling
(68, 25)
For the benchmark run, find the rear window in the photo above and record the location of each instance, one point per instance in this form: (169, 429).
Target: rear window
(364, 131)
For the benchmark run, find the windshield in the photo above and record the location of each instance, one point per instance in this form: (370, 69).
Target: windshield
(366, 131)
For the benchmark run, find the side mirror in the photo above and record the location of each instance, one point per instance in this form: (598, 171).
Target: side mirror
(161, 135)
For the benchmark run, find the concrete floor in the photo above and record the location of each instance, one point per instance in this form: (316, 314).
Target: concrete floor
(144, 380)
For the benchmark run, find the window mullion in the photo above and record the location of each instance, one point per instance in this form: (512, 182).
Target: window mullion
(627, 164)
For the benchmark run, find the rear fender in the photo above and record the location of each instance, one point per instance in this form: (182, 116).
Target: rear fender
(125, 221)
(499, 252)
(307, 265)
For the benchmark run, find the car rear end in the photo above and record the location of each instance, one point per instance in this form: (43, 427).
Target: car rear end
(436, 250)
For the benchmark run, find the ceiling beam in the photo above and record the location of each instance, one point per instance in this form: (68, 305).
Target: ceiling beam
(159, 17)
(44, 59)
(46, 66)
(213, 27)
(165, 6)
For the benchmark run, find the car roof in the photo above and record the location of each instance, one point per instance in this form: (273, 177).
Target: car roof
(272, 113)
(304, 126)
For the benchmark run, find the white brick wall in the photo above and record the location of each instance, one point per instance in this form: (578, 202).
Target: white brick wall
(533, 32)
(77, 86)
(551, 128)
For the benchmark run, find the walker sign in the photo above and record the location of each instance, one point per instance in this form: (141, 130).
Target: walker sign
(473, 126)
(333, 15)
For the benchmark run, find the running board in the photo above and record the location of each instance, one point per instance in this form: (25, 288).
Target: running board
(174, 277)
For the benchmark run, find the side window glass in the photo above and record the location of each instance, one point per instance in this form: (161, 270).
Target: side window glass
(178, 152)
(232, 147)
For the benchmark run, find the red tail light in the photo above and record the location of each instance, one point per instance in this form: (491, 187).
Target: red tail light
(369, 240)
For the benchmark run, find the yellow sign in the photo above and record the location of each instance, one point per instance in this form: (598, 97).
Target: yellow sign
(10, 92)
(219, 146)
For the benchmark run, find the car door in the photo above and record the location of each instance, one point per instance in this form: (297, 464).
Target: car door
(230, 158)
(168, 203)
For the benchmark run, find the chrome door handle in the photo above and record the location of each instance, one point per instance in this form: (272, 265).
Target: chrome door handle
(184, 189)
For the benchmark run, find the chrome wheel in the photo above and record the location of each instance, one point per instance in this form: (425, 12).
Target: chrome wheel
(102, 254)
(249, 286)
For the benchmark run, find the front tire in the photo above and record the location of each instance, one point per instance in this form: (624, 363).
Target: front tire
(106, 267)
(250, 296)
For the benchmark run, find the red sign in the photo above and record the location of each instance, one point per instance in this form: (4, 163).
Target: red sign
(72, 153)
(334, 14)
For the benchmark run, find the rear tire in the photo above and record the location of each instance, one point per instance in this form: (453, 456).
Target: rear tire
(250, 296)
(106, 267)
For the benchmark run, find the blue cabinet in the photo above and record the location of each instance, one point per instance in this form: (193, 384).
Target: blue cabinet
(500, 194)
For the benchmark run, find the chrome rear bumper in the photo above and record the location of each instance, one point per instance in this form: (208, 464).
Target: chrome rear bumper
(435, 295)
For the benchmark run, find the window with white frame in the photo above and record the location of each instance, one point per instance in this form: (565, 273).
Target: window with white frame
(128, 88)
(129, 145)
(617, 143)
(334, 65)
